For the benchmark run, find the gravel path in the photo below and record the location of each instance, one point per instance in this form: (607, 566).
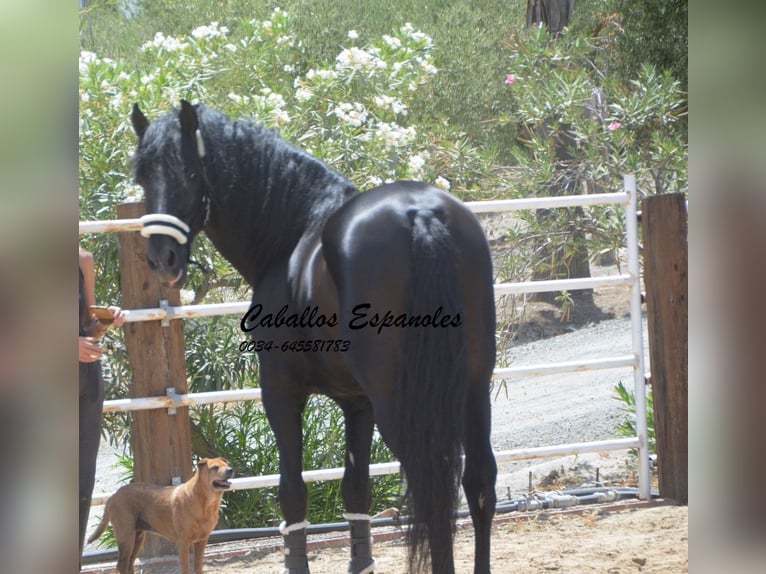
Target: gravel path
(563, 408)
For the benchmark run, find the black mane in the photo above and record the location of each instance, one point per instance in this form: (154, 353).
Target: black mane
(256, 175)
(268, 191)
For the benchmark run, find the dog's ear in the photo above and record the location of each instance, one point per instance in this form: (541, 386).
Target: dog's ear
(202, 463)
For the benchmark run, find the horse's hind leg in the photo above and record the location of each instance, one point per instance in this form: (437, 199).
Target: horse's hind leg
(480, 473)
(357, 496)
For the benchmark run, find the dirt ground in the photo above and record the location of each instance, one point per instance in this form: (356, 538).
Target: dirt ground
(623, 538)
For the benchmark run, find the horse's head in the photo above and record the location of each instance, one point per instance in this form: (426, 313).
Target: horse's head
(169, 164)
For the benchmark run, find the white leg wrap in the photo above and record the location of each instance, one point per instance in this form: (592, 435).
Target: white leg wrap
(354, 516)
(285, 529)
(368, 569)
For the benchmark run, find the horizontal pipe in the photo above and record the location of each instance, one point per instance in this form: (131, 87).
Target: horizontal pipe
(240, 307)
(393, 467)
(496, 205)
(615, 362)
(547, 285)
(186, 311)
(566, 449)
(181, 400)
(110, 226)
(254, 394)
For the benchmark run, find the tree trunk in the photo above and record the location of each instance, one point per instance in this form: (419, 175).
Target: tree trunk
(555, 262)
(554, 14)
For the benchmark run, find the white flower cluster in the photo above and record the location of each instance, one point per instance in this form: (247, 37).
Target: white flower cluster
(442, 183)
(275, 104)
(417, 163)
(321, 75)
(392, 104)
(268, 103)
(89, 58)
(212, 31)
(353, 114)
(416, 35)
(303, 94)
(86, 59)
(425, 63)
(165, 43)
(272, 99)
(392, 42)
(237, 99)
(356, 59)
(394, 135)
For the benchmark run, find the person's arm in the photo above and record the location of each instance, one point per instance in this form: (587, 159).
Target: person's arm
(89, 285)
(89, 276)
(89, 350)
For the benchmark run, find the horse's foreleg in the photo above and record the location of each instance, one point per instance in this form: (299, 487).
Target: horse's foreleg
(480, 474)
(355, 487)
(284, 410)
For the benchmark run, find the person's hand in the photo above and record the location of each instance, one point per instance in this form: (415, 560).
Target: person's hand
(119, 316)
(90, 352)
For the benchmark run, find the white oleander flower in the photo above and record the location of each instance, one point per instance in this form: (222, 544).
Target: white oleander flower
(353, 114)
(442, 183)
(212, 31)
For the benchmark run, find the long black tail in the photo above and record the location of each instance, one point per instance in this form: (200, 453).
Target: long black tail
(433, 391)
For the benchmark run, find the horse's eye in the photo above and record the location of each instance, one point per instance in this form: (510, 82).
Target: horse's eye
(192, 175)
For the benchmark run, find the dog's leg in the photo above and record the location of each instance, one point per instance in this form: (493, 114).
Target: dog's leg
(125, 556)
(125, 536)
(199, 555)
(138, 544)
(183, 555)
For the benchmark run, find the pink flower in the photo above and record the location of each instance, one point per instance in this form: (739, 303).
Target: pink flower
(614, 126)
(510, 79)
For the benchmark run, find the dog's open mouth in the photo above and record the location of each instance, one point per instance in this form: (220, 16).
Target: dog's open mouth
(221, 484)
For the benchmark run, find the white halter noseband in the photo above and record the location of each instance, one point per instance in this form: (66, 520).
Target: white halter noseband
(166, 224)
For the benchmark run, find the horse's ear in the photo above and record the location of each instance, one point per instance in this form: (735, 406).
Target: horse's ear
(140, 123)
(188, 117)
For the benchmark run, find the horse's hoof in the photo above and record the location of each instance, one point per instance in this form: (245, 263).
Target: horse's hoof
(355, 568)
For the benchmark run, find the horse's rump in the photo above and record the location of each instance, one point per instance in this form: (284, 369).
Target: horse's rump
(405, 303)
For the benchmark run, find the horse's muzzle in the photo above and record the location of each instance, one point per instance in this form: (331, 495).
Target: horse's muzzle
(167, 258)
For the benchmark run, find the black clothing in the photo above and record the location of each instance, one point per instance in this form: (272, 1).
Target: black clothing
(90, 417)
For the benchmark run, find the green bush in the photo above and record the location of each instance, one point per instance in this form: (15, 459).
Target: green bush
(627, 427)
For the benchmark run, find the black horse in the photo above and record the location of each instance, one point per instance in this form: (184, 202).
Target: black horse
(381, 300)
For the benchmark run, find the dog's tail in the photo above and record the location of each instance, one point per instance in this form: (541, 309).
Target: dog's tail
(101, 525)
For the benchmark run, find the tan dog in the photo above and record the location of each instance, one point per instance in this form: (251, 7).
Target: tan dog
(184, 514)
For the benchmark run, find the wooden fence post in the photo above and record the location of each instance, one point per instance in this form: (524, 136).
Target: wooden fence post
(664, 222)
(161, 441)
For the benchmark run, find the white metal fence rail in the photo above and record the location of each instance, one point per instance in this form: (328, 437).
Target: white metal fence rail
(635, 359)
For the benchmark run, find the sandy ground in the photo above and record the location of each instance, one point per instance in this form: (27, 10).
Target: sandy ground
(617, 539)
